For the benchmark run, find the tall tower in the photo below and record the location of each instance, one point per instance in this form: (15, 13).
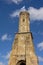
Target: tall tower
(23, 49)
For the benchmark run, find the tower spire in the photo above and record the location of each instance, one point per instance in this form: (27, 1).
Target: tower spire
(24, 22)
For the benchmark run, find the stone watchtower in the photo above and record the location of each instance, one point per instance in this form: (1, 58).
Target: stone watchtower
(23, 50)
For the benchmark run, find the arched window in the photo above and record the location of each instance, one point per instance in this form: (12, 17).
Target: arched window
(21, 62)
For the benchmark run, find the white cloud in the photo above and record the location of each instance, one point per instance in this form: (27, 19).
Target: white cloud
(6, 37)
(40, 59)
(1, 63)
(16, 13)
(35, 14)
(14, 1)
(40, 33)
(7, 56)
(40, 46)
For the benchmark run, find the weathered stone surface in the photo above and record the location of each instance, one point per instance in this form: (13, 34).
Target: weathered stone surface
(23, 48)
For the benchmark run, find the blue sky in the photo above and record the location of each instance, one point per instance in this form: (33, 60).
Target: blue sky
(9, 18)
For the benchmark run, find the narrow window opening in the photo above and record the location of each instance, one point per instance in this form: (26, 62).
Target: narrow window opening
(23, 20)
